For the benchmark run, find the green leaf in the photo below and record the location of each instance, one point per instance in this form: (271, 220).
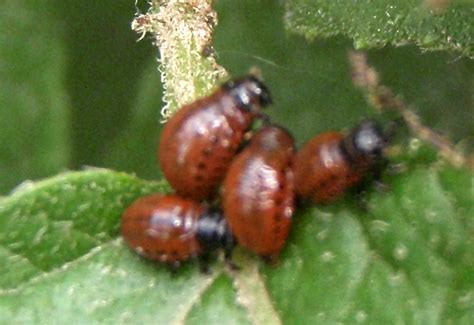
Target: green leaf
(218, 303)
(45, 225)
(406, 258)
(108, 284)
(61, 233)
(34, 117)
(377, 23)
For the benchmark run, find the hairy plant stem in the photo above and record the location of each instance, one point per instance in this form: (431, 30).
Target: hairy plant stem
(182, 31)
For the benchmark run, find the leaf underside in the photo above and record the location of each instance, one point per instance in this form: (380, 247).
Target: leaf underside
(377, 23)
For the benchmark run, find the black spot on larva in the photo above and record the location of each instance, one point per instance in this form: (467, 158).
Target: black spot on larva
(198, 178)
(278, 201)
(276, 217)
(174, 253)
(213, 139)
(201, 166)
(276, 230)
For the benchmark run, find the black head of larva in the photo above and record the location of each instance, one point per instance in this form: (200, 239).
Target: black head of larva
(367, 140)
(249, 92)
(213, 232)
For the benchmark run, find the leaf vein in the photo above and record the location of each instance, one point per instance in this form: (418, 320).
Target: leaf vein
(63, 268)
